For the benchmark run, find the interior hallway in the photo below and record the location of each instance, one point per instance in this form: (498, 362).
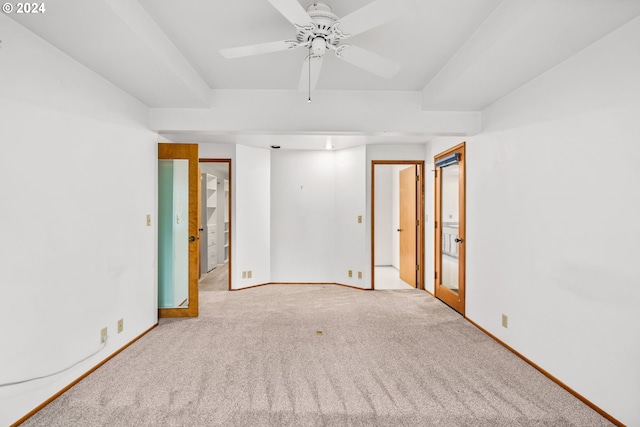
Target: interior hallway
(387, 278)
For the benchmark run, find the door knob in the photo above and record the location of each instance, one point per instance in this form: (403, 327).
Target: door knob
(192, 238)
(399, 229)
(459, 240)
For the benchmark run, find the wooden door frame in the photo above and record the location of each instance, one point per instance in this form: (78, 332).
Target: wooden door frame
(186, 151)
(459, 305)
(228, 162)
(420, 215)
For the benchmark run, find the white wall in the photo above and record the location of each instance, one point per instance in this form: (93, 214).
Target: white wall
(552, 202)
(216, 151)
(351, 251)
(383, 220)
(316, 199)
(251, 231)
(78, 177)
(303, 216)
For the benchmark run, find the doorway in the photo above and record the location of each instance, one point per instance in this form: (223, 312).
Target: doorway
(450, 227)
(215, 225)
(397, 233)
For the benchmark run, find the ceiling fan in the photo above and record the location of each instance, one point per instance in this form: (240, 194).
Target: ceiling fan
(319, 29)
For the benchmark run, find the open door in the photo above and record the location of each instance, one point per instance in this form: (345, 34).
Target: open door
(397, 206)
(408, 225)
(178, 230)
(450, 230)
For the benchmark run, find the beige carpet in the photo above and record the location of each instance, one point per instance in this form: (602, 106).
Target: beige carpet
(215, 280)
(317, 355)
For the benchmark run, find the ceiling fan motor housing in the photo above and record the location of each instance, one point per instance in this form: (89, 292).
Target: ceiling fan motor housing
(323, 33)
(322, 15)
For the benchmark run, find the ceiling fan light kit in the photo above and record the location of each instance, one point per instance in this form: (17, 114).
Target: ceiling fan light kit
(319, 29)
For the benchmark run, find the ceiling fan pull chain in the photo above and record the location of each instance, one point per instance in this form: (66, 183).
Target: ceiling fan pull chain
(309, 59)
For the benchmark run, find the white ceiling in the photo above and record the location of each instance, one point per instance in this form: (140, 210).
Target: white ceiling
(422, 42)
(457, 55)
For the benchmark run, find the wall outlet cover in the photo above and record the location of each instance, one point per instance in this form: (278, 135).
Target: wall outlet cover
(120, 325)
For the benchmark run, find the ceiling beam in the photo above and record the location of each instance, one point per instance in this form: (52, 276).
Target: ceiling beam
(273, 111)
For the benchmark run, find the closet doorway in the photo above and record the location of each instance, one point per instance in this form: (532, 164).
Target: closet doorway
(215, 225)
(397, 233)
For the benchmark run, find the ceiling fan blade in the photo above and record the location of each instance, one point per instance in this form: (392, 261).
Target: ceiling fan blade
(257, 49)
(373, 15)
(369, 61)
(293, 11)
(316, 65)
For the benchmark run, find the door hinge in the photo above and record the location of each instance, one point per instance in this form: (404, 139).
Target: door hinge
(417, 177)
(435, 275)
(417, 267)
(417, 223)
(435, 224)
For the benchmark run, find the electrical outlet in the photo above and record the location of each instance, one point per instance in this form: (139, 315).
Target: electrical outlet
(244, 274)
(359, 219)
(505, 321)
(148, 220)
(120, 325)
(350, 273)
(103, 335)
(359, 274)
(249, 274)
